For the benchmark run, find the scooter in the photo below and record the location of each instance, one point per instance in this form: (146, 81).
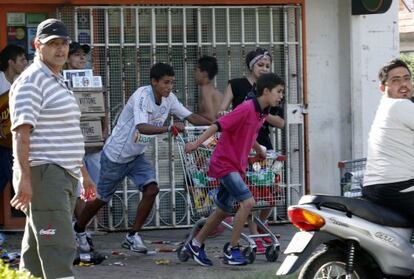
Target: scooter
(349, 238)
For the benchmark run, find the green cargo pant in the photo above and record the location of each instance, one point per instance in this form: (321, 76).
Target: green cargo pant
(48, 245)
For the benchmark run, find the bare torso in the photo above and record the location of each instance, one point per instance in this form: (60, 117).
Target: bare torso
(210, 101)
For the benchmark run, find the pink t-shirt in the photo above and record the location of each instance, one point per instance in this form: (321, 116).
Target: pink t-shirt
(239, 131)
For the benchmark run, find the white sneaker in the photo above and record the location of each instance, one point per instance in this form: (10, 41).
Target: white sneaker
(134, 243)
(82, 242)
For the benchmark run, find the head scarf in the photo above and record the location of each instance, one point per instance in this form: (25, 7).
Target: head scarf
(266, 54)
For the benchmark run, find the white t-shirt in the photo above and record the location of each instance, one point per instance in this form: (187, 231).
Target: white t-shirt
(125, 142)
(4, 83)
(391, 143)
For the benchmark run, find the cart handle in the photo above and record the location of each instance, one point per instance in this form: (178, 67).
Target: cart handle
(196, 128)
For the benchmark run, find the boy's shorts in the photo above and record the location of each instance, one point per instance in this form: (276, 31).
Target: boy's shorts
(140, 171)
(232, 189)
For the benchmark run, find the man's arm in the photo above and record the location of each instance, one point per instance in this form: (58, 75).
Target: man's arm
(197, 119)
(21, 143)
(228, 97)
(89, 187)
(148, 129)
(404, 111)
(260, 152)
(276, 121)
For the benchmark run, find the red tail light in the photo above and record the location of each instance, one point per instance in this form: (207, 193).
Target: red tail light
(305, 220)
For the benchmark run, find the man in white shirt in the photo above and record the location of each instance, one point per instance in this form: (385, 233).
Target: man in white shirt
(389, 174)
(141, 119)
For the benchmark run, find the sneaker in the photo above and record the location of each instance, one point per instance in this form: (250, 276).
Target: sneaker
(89, 239)
(134, 243)
(234, 257)
(260, 249)
(198, 254)
(82, 242)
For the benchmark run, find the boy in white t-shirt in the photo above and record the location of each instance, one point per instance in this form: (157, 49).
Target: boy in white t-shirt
(141, 119)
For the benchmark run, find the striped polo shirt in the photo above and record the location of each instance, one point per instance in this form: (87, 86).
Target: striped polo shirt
(41, 99)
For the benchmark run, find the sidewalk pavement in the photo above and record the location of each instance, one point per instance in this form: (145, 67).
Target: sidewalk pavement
(164, 263)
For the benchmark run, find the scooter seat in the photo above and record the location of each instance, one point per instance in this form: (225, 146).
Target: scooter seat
(360, 207)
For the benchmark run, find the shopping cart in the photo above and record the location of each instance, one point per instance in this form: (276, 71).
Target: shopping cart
(262, 178)
(352, 176)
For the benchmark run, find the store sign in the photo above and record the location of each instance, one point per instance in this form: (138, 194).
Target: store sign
(17, 35)
(35, 19)
(16, 19)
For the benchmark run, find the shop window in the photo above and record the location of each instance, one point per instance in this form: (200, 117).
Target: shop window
(21, 30)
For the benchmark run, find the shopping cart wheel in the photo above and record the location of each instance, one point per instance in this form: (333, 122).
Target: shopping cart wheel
(182, 254)
(272, 253)
(249, 254)
(226, 247)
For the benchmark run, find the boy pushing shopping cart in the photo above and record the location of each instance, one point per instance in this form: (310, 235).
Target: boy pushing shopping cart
(228, 163)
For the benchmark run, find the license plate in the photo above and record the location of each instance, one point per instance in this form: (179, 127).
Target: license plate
(299, 242)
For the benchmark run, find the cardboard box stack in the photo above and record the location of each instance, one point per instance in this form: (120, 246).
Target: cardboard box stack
(92, 106)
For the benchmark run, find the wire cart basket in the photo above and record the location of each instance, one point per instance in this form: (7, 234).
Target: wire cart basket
(352, 176)
(262, 178)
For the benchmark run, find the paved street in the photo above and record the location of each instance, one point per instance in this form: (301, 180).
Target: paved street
(127, 264)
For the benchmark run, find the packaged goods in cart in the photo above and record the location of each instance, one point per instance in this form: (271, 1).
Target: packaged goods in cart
(204, 200)
(263, 177)
(212, 194)
(264, 196)
(202, 162)
(211, 142)
(199, 198)
(199, 179)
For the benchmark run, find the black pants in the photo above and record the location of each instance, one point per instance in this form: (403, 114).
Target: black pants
(390, 195)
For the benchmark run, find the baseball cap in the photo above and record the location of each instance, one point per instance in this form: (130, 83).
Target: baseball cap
(74, 46)
(50, 29)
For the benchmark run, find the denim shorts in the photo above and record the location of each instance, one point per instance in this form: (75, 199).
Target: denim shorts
(92, 163)
(140, 171)
(232, 189)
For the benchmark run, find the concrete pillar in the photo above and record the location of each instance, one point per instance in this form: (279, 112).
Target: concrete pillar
(374, 41)
(343, 54)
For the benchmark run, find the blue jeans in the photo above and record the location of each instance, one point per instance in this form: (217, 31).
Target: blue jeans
(140, 171)
(232, 189)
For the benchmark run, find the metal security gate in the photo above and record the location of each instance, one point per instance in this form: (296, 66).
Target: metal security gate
(127, 40)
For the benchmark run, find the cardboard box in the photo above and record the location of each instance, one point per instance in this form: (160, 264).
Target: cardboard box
(92, 130)
(90, 103)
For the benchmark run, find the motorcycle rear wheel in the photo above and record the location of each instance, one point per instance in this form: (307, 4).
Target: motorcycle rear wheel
(330, 264)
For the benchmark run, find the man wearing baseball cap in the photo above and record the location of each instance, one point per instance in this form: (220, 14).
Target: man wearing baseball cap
(77, 56)
(48, 151)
